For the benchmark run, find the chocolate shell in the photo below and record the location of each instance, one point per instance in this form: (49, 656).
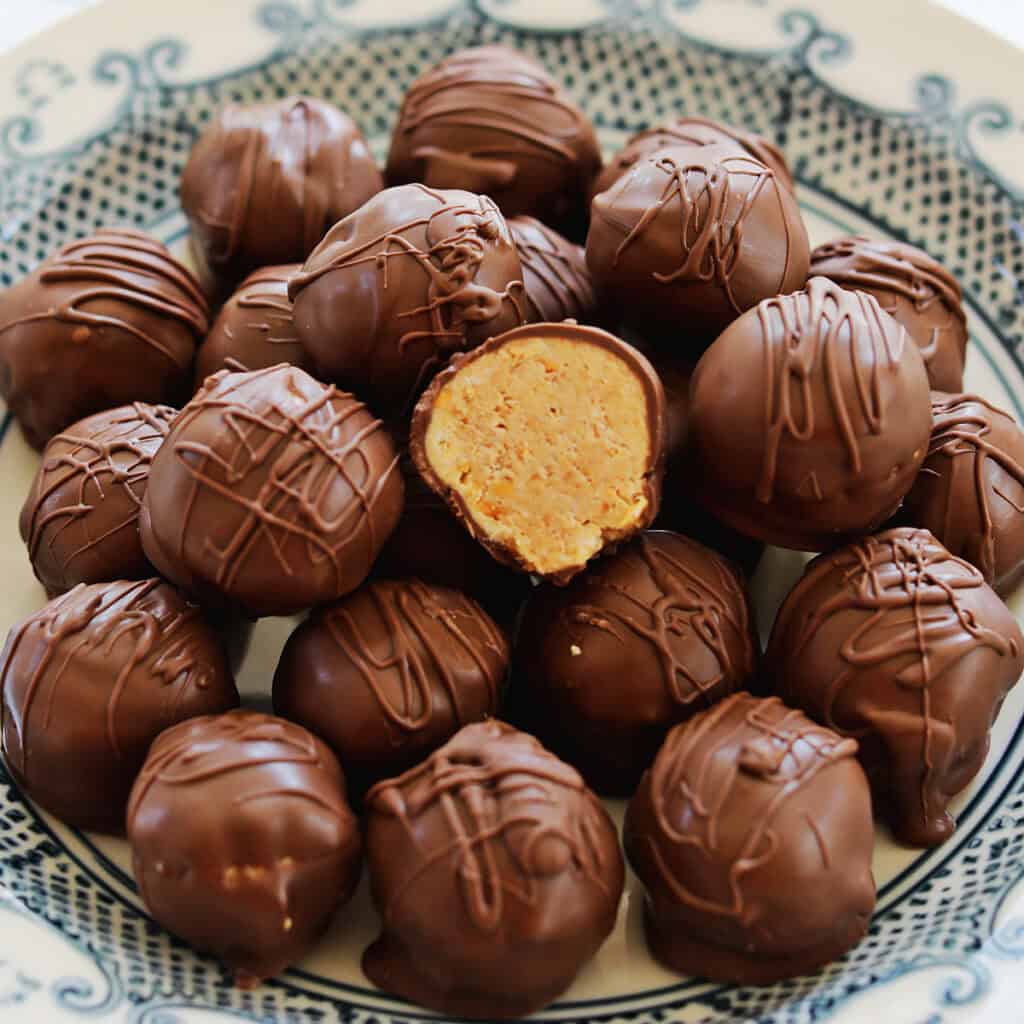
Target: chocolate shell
(822, 434)
(752, 836)
(547, 443)
(265, 182)
(497, 875)
(491, 120)
(243, 843)
(272, 493)
(107, 320)
(80, 520)
(396, 288)
(90, 680)
(911, 287)
(642, 640)
(899, 643)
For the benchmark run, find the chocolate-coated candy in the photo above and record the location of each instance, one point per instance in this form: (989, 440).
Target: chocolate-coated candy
(642, 640)
(970, 491)
(90, 680)
(243, 843)
(809, 418)
(491, 120)
(752, 836)
(389, 673)
(80, 518)
(691, 237)
(109, 319)
(255, 328)
(407, 280)
(272, 493)
(915, 290)
(496, 872)
(897, 642)
(265, 181)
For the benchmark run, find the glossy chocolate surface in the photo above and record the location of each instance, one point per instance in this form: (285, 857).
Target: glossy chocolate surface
(691, 237)
(897, 642)
(91, 679)
(243, 843)
(393, 290)
(255, 328)
(823, 432)
(914, 289)
(491, 120)
(497, 874)
(80, 518)
(970, 491)
(107, 320)
(265, 182)
(389, 673)
(642, 640)
(272, 493)
(752, 835)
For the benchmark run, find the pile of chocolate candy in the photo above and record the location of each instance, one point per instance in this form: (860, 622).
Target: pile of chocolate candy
(428, 417)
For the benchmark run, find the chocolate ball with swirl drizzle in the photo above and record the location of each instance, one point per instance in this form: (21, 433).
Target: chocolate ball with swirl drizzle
(690, 238)
(752, 836)
(491, 120)
(970, 491)
(497, 874)
(243, 843)
(396, 288)
(80, 520)
(914, 289)
(265, 181)
(391, 672)
(255, 328)
(272, 493)
(641, 641)
(109, 319)
(822, 433)
(900, 644)
(90, 680)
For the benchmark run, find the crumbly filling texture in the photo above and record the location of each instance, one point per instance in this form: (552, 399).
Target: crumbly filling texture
(547, 442)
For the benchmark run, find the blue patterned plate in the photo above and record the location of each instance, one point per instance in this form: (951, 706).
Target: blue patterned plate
(899, 120)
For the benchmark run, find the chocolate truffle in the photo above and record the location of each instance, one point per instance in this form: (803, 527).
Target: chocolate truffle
(242, 841)
(494, 121)
(272, 493)
(254, 329)
(389, 673)
(970, 491)
(899, 643)
(496, 872)
(265, 181)
(405, 281)
(430, 544)
(547, 443)
(80, 519)
(107, 320)
(642, 640)
(912, 288)
(692, 131)
(555, 275)
(822, 433)
(752, 836)
(690, 238)
(89, 681)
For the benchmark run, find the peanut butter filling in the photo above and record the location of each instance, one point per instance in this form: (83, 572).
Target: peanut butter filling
(547, 443)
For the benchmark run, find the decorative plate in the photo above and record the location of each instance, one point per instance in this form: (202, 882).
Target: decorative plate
(899, 119)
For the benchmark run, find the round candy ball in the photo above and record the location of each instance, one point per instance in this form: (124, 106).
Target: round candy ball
(809, 418)
(243, 843)
(90, 680)
(272, 493)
